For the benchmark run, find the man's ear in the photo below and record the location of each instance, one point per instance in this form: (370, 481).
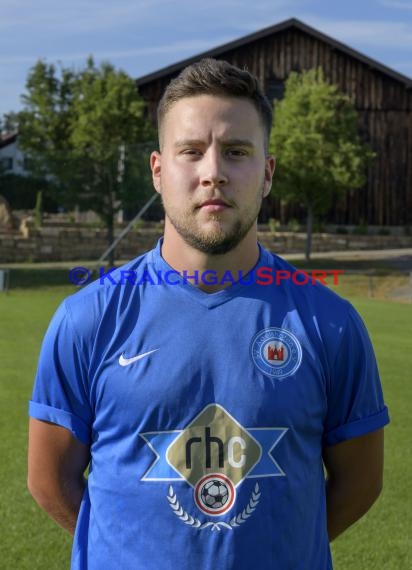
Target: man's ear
(155, 166)
(270, 165)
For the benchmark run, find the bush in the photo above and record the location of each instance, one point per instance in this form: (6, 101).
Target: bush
(361, 229)
(293, 225)
(341, 230)
(21, 192)
(38, 210)
(274, 225)
(384, 232)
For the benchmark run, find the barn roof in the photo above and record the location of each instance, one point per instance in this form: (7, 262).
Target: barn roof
(265, 32)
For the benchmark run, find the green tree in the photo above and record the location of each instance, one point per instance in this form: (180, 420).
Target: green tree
(316, 141)
(8, 123)
(45, 123)
(76, 128)
(109, 120)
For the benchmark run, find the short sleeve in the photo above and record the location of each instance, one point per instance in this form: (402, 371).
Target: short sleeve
(60, 393)
(355, 400)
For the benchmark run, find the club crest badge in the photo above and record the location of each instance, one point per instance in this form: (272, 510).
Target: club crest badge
(276, 352)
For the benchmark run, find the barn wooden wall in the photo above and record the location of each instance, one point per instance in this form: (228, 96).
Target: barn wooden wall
(385, 120)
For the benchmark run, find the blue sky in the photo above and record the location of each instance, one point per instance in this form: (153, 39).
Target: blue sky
(141, 36)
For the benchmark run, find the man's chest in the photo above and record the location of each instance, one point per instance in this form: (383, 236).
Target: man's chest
(261, 368)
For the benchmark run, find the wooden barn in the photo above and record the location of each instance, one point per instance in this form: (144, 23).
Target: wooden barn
(382, 97)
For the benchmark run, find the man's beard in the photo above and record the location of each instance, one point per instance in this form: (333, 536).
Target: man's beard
(218, 242)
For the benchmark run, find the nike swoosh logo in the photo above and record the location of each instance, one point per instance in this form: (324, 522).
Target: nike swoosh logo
(126, 361)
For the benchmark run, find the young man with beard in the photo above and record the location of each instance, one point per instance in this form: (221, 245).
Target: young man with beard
(207, 408)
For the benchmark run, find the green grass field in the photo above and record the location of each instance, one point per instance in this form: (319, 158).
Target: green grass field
(29, 541)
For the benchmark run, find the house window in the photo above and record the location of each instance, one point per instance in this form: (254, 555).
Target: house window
(6, 163)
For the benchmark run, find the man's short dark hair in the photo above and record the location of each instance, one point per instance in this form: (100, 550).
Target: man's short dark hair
(216, 77)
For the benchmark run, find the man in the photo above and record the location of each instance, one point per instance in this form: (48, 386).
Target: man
(206, 400)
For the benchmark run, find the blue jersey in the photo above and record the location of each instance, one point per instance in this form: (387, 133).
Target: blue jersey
(206, 415)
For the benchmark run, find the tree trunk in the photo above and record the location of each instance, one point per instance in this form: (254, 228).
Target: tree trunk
(110, 239)
(309, 231)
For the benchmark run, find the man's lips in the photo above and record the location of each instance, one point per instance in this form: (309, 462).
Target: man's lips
(216, 205)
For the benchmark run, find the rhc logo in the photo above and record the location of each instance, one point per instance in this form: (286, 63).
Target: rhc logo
(214, 454)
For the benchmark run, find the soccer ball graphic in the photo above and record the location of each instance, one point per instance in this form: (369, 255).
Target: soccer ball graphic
(214, 494)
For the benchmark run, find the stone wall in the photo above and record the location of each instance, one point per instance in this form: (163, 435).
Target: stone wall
(287, 242)
(68, 244)
(52, 243)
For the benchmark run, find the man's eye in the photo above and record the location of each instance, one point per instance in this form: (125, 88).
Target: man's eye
(191, 152)
(236, 153)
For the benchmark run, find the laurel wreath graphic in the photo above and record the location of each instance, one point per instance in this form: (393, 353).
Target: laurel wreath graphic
(237, 520)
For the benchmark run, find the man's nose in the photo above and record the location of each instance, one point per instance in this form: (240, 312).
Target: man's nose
(213, 171)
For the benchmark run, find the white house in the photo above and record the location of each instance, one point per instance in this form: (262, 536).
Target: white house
(12, 159)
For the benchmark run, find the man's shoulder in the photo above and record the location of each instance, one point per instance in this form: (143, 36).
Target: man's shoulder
(310, 291)
(87, 307)
(106, 279)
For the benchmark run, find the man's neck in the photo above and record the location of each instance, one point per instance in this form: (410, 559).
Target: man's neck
(189, 261)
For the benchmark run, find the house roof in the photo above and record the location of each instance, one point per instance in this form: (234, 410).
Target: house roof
(7, 139)
(282, 26)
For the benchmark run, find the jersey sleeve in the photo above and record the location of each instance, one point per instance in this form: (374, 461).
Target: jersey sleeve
(60, 393)
(355, 400)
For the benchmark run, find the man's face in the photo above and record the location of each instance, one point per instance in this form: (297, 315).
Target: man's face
(212, 172)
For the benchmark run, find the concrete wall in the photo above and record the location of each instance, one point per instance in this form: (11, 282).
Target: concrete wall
(71, 243)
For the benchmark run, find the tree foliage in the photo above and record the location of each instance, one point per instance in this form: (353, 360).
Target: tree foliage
(80, 130)
(8, 123)
(317, 144)
(21, 191)
(45, 122)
